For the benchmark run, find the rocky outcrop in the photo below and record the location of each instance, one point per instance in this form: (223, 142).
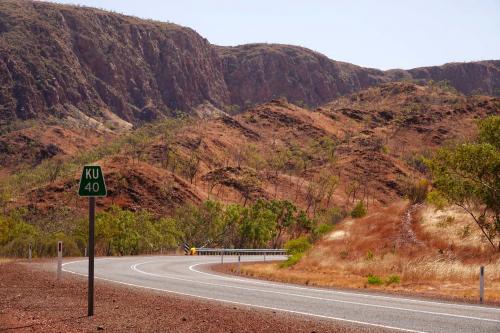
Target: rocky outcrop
(481, 77)
(53, 56)
(59, 61)
(260, 72)
(256, 73)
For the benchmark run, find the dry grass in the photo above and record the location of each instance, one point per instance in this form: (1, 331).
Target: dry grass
(379, 245)
(456, 289)
(452, 227)
(4, 260)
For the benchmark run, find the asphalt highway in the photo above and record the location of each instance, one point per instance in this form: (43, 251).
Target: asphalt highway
(189, 276)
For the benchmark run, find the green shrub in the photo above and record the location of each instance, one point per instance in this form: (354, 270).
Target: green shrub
(336, 215)
(374, 280)
(17, 247)
(359, 210)
(292, 260)
(416, 191)
(436, 199)
(322, 229)
(296, 249)
(392, 279)
(296, 246)
(47, 246)
(369, 255)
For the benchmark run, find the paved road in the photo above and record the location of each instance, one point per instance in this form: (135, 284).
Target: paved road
(186, 275)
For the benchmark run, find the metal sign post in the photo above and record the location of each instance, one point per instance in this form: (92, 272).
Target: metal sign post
(92, 185)
(91, 256)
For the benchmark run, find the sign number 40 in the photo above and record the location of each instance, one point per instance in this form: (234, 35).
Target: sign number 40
(92, 187)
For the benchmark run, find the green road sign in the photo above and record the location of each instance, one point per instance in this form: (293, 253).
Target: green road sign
(92, 182)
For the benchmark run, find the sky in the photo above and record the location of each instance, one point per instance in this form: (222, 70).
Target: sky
(381, 34)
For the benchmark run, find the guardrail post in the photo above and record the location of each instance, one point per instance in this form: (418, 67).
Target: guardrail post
(59, 259)
(481, 285)
(239, 264)
(222, 256)
(264, 256)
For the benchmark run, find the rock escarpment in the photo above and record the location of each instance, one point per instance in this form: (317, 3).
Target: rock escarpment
(64, 61)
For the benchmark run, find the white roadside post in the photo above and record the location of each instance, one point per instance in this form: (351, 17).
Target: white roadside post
(221, 256)
(85, 255)
(481, 285)
(29, 253)
(239, 264)
(59, 259)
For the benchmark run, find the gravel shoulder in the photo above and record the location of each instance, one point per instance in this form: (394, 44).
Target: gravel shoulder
(32, 300)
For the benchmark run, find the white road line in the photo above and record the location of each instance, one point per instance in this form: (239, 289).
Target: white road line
(252, 281)
(245, 304)
(168, 276)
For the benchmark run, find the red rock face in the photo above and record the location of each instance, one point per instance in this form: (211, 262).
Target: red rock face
(56, 59)
(481, 77)
(261, 72)
(52, 56)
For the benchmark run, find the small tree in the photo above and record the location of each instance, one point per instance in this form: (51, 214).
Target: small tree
(468, 175)
(416, 190)
(285, 219)
(54, 169)
(192, 167)
(258, 225)
(5, 197)
(359, 210)
(137, 143)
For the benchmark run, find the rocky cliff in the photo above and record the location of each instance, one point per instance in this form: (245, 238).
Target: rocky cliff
(260, 72)
(60, 60)
(64, 61)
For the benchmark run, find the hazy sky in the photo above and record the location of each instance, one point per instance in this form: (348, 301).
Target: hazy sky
(374, 33)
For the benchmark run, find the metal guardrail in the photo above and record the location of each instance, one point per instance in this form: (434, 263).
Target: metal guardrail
(215, 251)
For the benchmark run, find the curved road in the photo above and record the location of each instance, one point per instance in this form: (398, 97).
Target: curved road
(186, 275)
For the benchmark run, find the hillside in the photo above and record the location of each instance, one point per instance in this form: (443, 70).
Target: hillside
(364, 146)
(112, 71)
(401, 250)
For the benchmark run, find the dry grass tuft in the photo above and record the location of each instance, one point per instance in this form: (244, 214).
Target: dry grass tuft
(4, 260)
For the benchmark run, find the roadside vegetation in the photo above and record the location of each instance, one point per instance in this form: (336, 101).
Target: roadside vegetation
(434, 243)
(122, 232)
(51, 170)
(468, 175)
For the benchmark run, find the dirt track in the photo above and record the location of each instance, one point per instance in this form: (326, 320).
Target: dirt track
(31, 300)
